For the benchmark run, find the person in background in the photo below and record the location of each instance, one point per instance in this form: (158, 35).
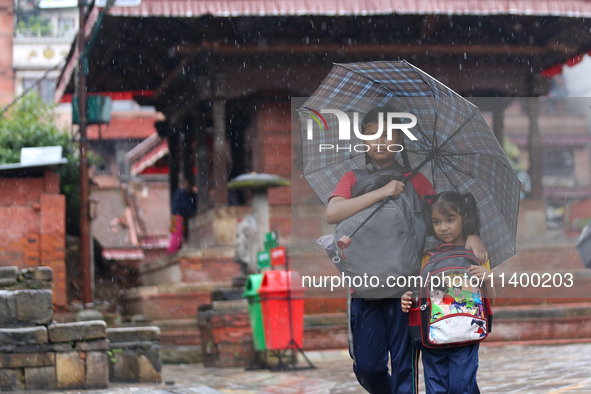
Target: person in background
(182, 206)
(525, 179)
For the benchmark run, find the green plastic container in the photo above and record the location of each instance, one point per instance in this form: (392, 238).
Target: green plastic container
(98, 110)
(253, 282)
(270, 241)
(264, 259)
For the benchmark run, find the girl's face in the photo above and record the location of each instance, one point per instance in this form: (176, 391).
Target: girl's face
(448, 228)
(378, 148)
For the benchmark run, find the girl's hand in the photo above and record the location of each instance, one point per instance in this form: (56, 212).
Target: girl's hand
(392, 189)
(474, 244)
(405, 301)
(480, 272)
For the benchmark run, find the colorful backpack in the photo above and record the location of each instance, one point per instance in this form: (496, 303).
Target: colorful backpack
(450, 312)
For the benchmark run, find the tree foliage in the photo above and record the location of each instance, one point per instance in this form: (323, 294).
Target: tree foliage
(32, 123)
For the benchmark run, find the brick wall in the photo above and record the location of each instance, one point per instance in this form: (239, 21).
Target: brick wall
(33, 232)
(6, 73)
(275, 135)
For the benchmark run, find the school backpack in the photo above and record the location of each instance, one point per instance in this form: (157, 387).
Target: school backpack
(389, 245)
(450, 311)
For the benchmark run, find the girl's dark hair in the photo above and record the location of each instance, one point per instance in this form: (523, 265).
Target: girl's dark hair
(451, 202)
(373, 117)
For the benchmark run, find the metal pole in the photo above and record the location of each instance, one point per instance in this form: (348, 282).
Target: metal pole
(84, 214)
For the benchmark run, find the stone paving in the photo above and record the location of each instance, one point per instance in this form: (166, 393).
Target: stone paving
(507, 369)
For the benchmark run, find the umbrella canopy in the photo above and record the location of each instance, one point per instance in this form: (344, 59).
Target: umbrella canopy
(583, 246)
(463, 151)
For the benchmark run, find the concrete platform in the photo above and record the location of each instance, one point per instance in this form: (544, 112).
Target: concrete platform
(508, 369)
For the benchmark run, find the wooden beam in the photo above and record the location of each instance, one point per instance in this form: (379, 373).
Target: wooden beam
(220, 171)
(202, 160)
(173, 159)
(535, 148)
(397, 49)
(170, 77)
(188, 151)
(181, 106)
(498, 113)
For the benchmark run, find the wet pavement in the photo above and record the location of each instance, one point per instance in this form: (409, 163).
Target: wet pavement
(507, 369)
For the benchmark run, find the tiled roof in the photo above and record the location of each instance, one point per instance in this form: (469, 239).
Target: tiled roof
(195, 8)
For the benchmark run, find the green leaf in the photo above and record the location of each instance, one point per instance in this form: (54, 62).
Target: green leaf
(30, 122)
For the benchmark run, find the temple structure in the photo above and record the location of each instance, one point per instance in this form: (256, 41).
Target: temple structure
(223, 74)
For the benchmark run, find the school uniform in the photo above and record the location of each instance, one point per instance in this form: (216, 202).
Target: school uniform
(378, 327)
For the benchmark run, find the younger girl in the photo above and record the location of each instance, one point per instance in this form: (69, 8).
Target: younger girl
(452, 370)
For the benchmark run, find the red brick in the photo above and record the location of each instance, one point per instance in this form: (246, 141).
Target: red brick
(33, 231)
(52, 182)
(208, 269)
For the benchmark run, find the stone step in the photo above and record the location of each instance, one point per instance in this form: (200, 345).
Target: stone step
(551, 286)
(541, 324)
(213, 264)
(181, 300)
(167, 302)
(177, 332)
(554, 311)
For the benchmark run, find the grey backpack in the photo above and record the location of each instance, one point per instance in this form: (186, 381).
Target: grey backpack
(388, 246)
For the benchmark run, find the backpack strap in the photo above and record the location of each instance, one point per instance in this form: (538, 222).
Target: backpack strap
(431, 252)
(446, 247)
(360, 173)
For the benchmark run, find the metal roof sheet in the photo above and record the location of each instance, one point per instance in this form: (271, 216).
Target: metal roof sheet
(227, 8)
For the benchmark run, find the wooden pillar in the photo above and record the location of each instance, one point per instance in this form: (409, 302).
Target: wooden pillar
(535, 148)
(188, 152)
(173, 158)
(498, 113)
(220, 172)
(202, 162)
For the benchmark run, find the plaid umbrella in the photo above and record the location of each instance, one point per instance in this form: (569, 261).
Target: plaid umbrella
(453, 139)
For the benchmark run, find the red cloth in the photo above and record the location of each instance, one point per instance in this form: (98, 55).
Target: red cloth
(176, 236)
(421, 184)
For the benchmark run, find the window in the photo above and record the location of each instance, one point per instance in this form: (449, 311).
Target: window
(66, 26)
(45, 88)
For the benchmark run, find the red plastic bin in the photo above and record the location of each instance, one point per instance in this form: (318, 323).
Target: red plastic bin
(274, 293)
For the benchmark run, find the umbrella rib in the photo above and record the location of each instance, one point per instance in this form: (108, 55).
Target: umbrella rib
(448, 154)
(455, 167)
(492, 157)
(456, 132)
(444, 172)
(387, 88)
(475, 180)
(369, 79)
